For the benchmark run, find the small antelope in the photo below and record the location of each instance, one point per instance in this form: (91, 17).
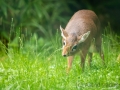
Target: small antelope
(82, 28)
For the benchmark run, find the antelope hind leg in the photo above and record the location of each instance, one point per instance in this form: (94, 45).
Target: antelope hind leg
(98, 43)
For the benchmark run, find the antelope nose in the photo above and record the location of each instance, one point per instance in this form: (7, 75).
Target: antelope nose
(64, 55)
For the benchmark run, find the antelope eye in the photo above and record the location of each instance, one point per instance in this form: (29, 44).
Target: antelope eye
(64, 43)
(74, 48)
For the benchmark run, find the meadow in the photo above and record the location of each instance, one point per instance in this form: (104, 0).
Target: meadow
(37, 64)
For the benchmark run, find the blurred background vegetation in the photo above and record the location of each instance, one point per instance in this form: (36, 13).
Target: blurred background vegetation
(44, 17)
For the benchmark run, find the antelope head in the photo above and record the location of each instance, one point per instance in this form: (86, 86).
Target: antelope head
(72, 42)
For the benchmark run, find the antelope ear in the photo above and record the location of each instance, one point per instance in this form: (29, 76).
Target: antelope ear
(83, 37)
(63, 33)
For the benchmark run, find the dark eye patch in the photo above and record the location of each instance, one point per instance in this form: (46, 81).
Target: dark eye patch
(74, 48)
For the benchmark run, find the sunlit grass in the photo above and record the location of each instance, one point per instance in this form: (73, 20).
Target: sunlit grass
(38, 65)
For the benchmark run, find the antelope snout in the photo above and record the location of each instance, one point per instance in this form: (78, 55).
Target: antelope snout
(65, 52)
(64, 55)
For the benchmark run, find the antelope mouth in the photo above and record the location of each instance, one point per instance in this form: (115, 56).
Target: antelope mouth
(66, 55)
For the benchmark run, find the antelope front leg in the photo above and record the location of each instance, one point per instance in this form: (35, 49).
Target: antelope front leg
(69, 62)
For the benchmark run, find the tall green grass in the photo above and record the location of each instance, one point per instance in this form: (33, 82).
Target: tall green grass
(36, 64)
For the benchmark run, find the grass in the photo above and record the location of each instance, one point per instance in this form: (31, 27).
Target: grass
(38, 65)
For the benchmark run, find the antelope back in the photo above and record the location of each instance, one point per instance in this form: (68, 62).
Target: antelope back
(82, 27)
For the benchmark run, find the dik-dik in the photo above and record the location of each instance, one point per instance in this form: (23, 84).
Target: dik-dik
(82, 28)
